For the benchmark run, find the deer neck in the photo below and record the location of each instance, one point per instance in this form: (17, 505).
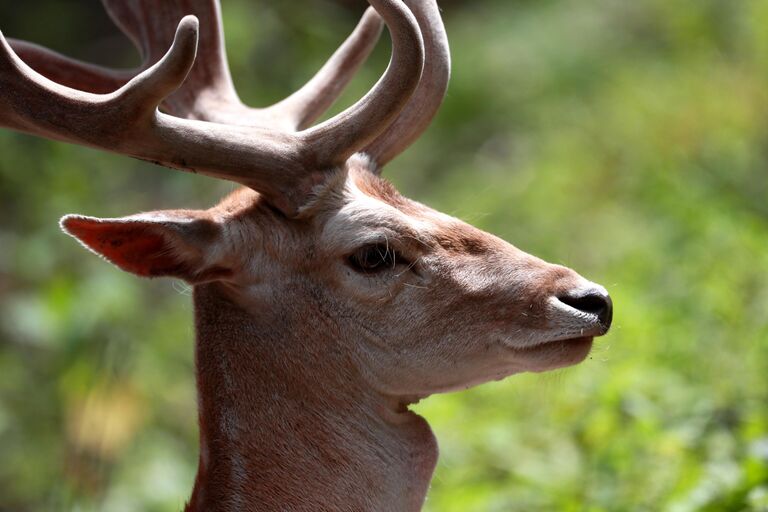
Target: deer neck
(286, 423)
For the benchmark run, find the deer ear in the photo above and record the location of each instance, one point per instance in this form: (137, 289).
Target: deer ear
(182, 244)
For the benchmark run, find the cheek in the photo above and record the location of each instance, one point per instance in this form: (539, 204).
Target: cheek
(435, 337)
(381, 295)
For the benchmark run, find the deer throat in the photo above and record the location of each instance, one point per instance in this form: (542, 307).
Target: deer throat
(286, 431)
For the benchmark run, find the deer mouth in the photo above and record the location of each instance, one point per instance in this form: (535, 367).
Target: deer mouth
(576, 342)
(561, 343)
(553, 354)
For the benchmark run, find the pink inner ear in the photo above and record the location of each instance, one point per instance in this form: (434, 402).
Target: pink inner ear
(136, 247)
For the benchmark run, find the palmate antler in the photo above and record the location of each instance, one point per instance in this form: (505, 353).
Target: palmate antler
(205, 128)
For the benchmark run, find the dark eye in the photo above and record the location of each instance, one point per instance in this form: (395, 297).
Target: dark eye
(374, 258)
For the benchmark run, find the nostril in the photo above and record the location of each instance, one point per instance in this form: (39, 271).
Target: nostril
(595, 302)
(588, 303)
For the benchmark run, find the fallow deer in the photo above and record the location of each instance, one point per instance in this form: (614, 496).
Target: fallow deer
(325, 302)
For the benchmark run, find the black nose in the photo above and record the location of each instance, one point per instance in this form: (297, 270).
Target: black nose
(594, 301)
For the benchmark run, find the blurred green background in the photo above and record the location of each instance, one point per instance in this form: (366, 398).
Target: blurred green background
(628, 140)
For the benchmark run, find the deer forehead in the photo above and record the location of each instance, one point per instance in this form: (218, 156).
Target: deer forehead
(372, 211)
(360, 209)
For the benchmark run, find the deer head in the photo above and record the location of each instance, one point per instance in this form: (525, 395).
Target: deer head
(415, 301)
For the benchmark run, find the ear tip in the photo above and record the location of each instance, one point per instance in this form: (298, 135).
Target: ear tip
(67, 222)
(70, 223)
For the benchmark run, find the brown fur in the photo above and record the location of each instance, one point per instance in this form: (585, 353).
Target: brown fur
(305, 366)
(383, 190)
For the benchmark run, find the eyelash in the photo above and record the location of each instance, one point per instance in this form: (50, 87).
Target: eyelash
(375, 258)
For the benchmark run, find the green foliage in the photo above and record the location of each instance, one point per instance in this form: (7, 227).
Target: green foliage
(626, 140)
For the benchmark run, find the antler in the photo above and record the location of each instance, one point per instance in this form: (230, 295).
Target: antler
(208, 94)
(426, 100)
(281, 164)
(70, 72)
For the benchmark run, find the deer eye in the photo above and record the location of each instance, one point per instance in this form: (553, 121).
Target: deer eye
(374, 258)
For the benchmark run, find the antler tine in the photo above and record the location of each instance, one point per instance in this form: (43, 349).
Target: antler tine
(148, 89)
(209, 94)
(304, 106)
(426, 100)
(336, 139)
